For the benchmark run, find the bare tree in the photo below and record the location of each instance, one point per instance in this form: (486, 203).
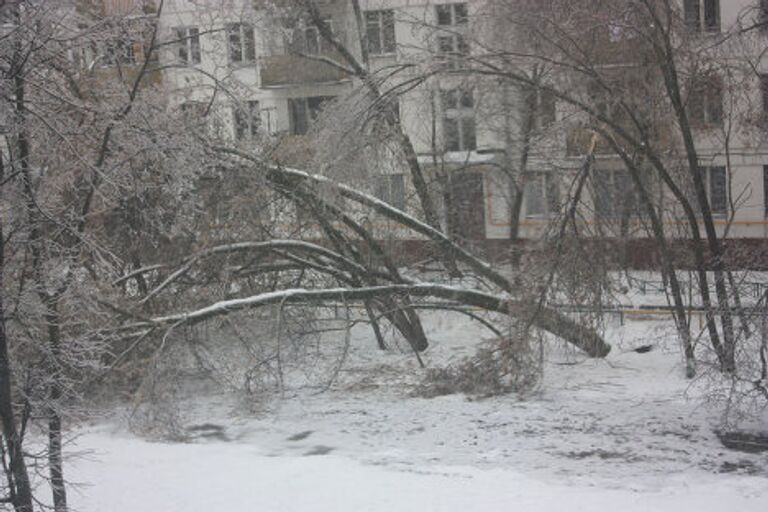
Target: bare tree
(594, 48)
(66, 116)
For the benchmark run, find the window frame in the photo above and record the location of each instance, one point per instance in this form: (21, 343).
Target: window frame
(762, 15)
(457, 12)
(247, 120)
(547, 186)
(763, 89)
(710, 185)
(706, 102)
(310, 106)
(195, 114)
(458, 108)
(702, 16)
(188, 49)
(118, 52)
(245, 44)
(623, 202)
(541, 102)
(384, 27)
(452, 55)
(303, 33)
(451, 45)
(765, 191)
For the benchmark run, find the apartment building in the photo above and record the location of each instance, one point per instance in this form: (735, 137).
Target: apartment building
(267, 75)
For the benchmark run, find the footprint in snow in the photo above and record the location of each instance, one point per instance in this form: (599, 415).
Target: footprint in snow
(301, 435)
(319, 450)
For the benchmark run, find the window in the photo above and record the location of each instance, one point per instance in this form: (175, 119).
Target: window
(692, 14)
(614, 194)
(541, 194)
(705, 102)
(458, 120)
(716, 183)
(118, 52)
(194, 113)
(762, 15)
(242, 44)
(196, 117)
(626, 98)
(623, 26)
(540, 103)
(306, 39)
(451, 14)
(702, 15)
(188, 41)
(390, 188)
(765, 190)
(712, 15)
(247, 121)
(302, 111)
(452, 49)
(380, 31)
(603, 102)
(764, 100)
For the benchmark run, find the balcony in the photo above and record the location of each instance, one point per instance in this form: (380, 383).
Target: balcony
(298, 51)
(284, 70)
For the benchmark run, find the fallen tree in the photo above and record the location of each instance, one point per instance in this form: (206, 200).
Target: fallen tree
(380, 286)
(582, 337)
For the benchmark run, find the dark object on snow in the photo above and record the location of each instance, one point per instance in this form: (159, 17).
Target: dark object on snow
(319, 450)
(208, 431)
(301, 435)
(742, 466)
(743, 441)
(644, 349)
(205, 426)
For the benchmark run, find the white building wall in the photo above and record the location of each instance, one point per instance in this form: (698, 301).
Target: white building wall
(415, 20)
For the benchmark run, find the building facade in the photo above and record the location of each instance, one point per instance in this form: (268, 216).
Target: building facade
(506, 154)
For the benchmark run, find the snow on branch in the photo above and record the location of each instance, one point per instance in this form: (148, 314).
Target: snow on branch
(381, 207)
(271, 245)
(584, 338)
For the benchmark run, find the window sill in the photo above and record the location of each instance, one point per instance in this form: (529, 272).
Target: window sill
(706, 127)
(705, 32)
(243, 65)
(454, 152)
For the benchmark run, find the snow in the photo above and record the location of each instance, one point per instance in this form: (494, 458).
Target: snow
(627, 433)
(136, 475)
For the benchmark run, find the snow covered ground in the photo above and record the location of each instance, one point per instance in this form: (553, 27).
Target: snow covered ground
(627, 433)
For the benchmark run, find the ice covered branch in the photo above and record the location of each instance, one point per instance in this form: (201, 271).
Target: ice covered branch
(582, 337)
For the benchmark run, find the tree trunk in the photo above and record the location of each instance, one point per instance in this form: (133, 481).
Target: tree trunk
(52, 318)
(55, 456)
(726, 351)
(19, 489)
(668, 266)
